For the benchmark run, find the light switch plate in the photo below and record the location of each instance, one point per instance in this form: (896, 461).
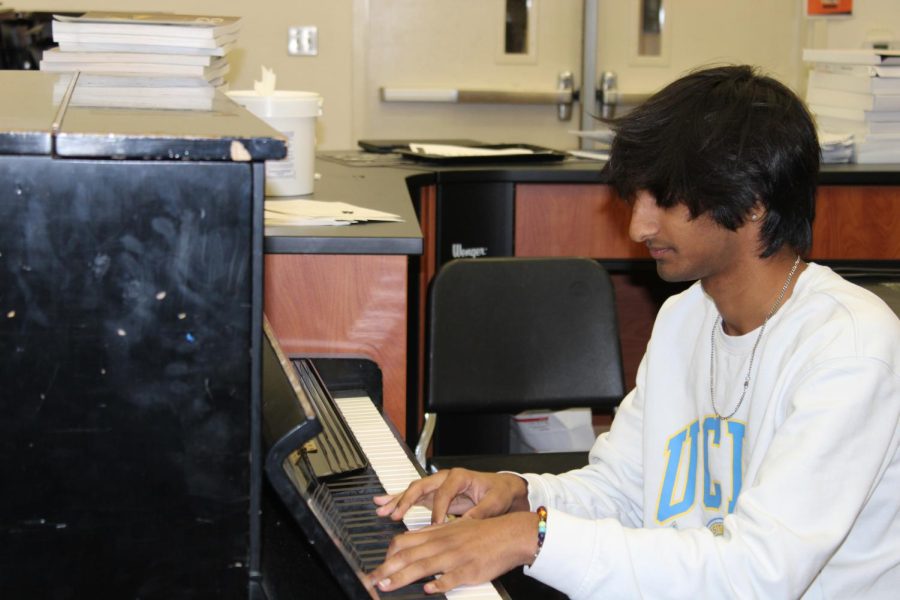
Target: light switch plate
(303, 41)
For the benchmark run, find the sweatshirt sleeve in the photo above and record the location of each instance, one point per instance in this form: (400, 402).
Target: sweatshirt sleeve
(611, 484)
(840, 429)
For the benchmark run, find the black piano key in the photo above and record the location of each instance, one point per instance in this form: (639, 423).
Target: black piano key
(384, 529)
(372, 554)
(411, 592)
(359, 514)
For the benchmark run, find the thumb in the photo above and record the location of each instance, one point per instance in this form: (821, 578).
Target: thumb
(488, 507)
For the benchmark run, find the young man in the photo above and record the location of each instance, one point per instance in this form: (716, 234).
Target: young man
(757, 457)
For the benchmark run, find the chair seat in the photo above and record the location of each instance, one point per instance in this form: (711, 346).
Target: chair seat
(544, 462)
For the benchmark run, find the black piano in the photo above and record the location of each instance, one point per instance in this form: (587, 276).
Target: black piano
(133, 453)
(130, 342)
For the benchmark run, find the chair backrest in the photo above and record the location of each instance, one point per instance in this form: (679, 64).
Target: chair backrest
(511, 334)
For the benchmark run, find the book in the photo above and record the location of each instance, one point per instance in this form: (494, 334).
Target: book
(149, 23)
(854, 114)
(867, 102)
(103, 98)
(859, 70)
(56, 55)
(857, 128)
(66, 46)
(144, 40)
(146, 83)
(888, 155)
(836, 147)
(143, 60)
(852, 56)
(853, 83)
(210, 73)
(93, 91)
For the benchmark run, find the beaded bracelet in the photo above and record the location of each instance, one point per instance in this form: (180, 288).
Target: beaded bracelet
(542, 529)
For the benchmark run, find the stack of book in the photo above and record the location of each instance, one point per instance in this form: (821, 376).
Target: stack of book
(858, 92)
(143, 60)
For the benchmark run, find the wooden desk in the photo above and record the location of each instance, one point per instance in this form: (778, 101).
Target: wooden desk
(570, 211)
(853, 223)
(360, 290)
(342, 291)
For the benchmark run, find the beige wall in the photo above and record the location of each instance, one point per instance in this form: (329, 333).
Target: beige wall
(366, 44)
(443, 44)
(263, 41)
(702, 32)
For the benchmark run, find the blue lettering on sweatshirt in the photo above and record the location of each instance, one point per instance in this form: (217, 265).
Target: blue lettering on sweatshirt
(679, 485)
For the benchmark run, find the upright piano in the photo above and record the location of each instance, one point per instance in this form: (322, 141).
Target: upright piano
(133, 453)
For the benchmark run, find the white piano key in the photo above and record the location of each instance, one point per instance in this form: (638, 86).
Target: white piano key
(395, 471)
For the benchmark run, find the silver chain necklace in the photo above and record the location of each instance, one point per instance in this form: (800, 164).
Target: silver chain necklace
(712, 353)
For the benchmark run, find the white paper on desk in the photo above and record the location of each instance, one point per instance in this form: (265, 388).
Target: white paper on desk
(553, 430)
(601, 135)
(321, 212)
(450, 151)
(276, 220)
(590, 154)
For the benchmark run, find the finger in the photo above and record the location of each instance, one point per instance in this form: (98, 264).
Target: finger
(417, 492)
(382, 500)
(459, 505)
(398, 504)
(385, 505)
(447, 581)
(490, 505)
(456, 482)
(407, 564)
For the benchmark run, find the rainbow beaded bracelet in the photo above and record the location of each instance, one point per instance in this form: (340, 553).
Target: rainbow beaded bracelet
(542, 528)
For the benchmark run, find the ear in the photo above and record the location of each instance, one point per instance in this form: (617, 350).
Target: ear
(757, 212)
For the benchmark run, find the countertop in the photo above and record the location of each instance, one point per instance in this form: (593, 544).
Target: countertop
(387, 182)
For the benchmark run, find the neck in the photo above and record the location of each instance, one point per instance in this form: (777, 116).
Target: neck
(746, 297)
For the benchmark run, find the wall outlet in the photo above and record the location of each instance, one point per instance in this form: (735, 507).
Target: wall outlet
(303, 41)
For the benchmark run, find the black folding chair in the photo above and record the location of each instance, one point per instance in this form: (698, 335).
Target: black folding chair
(511, 334)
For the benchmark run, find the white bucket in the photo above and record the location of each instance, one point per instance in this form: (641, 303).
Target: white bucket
(294, 115)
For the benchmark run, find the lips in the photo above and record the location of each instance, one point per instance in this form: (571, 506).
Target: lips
(657, 252)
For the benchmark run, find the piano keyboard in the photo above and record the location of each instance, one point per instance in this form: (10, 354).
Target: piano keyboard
(395, 471)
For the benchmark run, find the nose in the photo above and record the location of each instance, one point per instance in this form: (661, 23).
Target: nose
(644, 218)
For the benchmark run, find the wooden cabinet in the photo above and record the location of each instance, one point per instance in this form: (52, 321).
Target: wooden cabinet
(857, 223)
(353, 292)
(573, 220)
(343, 305)
(852, 223)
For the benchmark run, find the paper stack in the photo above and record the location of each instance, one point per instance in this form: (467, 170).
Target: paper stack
(321, 212)
(143, 60)
(601, 140)
(836, 147)
(857, 92)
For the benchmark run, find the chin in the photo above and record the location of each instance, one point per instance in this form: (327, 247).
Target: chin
(672, 275)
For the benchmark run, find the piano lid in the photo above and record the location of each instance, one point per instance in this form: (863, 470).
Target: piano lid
(77, 116)
(27, 111)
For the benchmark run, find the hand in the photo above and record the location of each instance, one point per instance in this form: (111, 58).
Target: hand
(465, 551)
(459, 492)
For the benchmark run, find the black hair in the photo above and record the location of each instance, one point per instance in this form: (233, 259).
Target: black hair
(719, 140)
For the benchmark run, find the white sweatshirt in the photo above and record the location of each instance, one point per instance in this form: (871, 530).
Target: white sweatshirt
(797, 495)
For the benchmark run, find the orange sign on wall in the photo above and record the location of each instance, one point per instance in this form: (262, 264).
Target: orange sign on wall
(815, 8)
